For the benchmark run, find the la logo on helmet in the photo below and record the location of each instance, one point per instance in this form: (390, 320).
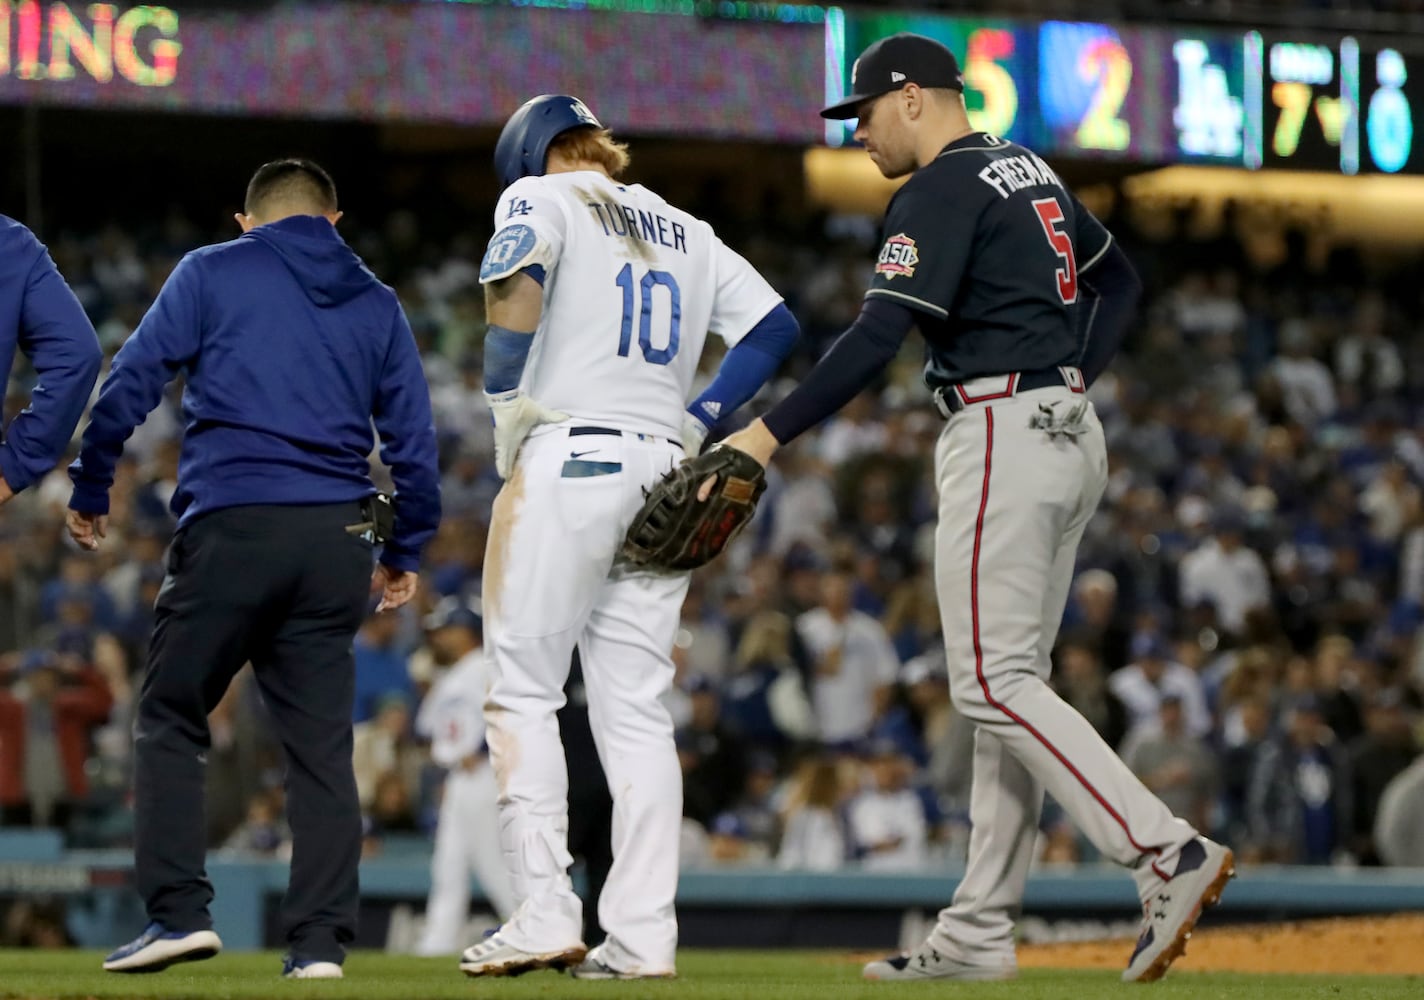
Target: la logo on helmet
(581, 109)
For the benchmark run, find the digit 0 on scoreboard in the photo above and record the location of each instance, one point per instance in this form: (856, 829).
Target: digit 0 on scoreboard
(1389, 93)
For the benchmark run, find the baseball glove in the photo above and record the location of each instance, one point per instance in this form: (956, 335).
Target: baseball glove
(676, 531)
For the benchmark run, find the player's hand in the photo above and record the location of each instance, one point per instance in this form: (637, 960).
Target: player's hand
(397, 587)
(5, 492)
(86, 529)
(694, 434)
(755, 440)
(515, 415)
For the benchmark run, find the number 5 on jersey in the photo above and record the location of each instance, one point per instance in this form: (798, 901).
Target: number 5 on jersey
(1050, 216)
(645, 294)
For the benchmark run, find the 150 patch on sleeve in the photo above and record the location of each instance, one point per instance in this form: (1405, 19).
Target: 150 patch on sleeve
(898, 257)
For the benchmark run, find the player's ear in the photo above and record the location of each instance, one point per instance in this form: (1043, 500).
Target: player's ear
(912, 99)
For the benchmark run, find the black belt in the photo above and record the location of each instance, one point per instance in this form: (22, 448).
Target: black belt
(585, 429)
(950, 399)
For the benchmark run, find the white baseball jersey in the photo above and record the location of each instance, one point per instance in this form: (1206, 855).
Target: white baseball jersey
(632, 287)
(452, 714)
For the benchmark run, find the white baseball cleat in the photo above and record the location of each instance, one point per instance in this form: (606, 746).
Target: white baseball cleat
(594, 967)
(927, 962)
(306, 968)
(1171, 911)
(157, 948)
(496, 957)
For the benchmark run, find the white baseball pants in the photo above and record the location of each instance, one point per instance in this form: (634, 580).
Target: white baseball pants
(466, 842)
(550, 583)
(1014, 500)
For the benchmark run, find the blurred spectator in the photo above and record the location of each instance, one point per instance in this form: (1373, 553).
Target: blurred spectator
(380, 666)
(1299, 801)
(1376, 758)
(1225, 574)
(263, 831)
(713, 758)
(764, 699)
(1079, 680)
(1093, 613)
(46, 723)
(813, 831)
(1307, 387)
(1151, 676)
(382, 747)
(1174, 764)
(888, 831)
(853, 662)
(1237, 764)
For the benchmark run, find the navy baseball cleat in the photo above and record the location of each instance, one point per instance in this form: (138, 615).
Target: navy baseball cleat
(157, 948)
(1171, 911)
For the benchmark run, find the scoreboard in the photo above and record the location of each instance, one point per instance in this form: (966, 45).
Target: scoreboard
(1168, 94)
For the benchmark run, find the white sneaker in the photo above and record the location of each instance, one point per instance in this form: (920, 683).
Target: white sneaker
(496, 957)
(594, 967)
(927, 962)
(1171, 911)
(293, 968)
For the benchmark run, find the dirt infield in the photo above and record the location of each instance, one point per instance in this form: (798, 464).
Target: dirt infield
(1384, 945)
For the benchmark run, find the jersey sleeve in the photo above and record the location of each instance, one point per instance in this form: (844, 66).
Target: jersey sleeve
(925, 248)
(743, 297)
(529, 230)
(1091, 238)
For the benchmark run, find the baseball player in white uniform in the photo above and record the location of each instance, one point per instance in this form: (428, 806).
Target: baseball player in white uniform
(1022, 298)
(600, 296)
(467, 833)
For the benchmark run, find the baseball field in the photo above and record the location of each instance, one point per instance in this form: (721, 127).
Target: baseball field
(1330, 960)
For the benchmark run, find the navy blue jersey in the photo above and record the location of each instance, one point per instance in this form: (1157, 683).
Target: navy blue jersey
(986, 245)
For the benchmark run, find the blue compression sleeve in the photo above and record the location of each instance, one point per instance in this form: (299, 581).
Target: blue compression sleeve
(844, 371)
(506, 352)
(1113, 290)
(747, 366)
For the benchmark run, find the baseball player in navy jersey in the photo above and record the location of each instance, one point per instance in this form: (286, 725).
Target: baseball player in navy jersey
(1022, 299)
(600, 296)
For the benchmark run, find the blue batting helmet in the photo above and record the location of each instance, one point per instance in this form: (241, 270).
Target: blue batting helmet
(523, 146)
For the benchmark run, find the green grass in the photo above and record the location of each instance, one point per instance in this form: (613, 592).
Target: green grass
(705, 975)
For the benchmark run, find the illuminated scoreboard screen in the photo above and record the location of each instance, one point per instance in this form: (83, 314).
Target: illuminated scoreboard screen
(1167, 95)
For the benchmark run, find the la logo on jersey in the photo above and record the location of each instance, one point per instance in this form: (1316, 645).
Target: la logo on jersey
(898, 257)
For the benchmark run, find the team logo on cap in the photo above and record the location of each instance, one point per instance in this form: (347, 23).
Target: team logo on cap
(898, 257)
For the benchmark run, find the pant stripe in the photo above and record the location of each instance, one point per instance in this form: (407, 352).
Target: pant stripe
(979, 654)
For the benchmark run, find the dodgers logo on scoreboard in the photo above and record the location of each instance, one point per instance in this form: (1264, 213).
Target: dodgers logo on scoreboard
(898, 257)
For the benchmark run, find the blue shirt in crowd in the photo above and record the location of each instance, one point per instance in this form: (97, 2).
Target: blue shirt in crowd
(41, 316)
(290, 347)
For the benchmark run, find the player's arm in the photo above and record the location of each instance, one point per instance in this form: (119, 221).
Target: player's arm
(60, 342)
(921, 264)
(1109, 291)
(527, 242)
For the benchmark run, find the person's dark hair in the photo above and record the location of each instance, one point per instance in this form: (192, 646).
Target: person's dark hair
(294, 182)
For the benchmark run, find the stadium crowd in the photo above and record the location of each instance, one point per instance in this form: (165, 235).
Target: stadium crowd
(1245, 625)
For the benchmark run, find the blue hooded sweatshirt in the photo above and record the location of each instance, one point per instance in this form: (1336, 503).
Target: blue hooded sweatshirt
(290, 347)
(40, 315)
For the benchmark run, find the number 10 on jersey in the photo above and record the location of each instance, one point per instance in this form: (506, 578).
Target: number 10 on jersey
(639, 297)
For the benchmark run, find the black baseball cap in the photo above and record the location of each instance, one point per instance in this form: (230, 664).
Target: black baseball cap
(891, 63)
